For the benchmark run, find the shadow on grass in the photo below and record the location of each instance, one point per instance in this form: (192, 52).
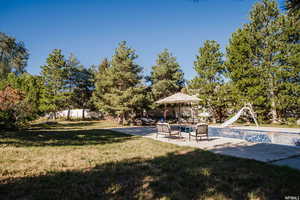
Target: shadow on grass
(61, 138)
(186, 175)
(58, 125)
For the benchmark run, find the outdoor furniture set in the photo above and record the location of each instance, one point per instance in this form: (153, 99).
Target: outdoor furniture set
(198, 131)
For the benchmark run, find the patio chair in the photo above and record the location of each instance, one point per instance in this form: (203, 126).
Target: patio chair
(165, 129)
(200, 131)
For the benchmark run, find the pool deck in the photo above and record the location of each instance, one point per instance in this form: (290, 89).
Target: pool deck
(271, 153)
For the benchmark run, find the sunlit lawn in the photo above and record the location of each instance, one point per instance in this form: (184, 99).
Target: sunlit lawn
(78, 160)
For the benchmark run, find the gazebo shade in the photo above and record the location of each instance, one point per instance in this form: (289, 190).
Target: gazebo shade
(178, 98)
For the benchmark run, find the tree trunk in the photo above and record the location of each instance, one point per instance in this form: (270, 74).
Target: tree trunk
(1, 56)
(273, 103)
(214, 117)
(220, 115)
(83, 116)
(274, 111)
(70, 90)
(68, 115)
(214, 114)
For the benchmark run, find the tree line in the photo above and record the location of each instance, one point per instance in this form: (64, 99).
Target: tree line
(261, 66)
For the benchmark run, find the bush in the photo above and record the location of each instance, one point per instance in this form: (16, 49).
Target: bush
(14, 111)
(14, 118)
(6, 120)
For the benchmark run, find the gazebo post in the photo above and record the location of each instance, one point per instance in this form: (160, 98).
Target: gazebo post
(192, 113)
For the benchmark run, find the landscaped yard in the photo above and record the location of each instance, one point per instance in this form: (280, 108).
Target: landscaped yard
(79, 160)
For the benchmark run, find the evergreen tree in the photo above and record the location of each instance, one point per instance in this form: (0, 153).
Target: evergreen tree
(210, 78)
(263, 26)
(166, 77)
(102, 85)
(70, 77)
(288, 61)
(84, 87)
(261, 60)
(103, 67)
(246, 76)
(125, 92)
(53, 74)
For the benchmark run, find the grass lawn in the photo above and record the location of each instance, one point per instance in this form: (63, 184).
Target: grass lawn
(79, 160)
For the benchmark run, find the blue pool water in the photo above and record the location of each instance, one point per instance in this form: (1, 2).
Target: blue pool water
(257, 136)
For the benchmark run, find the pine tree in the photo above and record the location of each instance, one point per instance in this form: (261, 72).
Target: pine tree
(210, 78)
(70, 79)
(83, 88)
(288, 60)
(258, 57)
(166, 77)
(245, 75)
(103, 67)
(102, 85)
(53, 74)
(124, 92)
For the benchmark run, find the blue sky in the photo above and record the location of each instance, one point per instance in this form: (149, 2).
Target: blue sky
(92, 29)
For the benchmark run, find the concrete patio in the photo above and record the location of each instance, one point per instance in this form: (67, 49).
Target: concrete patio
(271, 153)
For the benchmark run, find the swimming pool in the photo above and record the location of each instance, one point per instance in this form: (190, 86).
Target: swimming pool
(280, 136)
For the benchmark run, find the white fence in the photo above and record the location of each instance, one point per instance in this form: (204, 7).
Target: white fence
(75, 114)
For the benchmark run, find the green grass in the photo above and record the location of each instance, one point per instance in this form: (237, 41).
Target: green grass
(79, 160)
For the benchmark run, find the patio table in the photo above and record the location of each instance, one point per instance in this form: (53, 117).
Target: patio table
(186, 128)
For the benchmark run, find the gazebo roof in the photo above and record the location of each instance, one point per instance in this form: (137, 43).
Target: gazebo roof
(178, 98)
